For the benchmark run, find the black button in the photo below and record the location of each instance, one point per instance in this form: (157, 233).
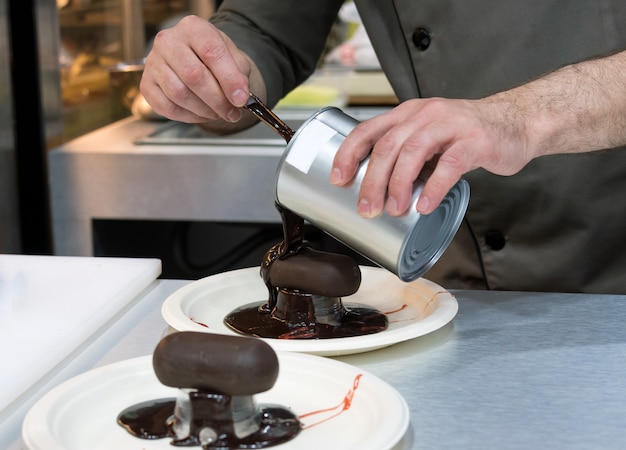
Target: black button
(421, 39)
(495, 239)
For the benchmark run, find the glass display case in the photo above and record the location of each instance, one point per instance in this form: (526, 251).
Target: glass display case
(102, 44)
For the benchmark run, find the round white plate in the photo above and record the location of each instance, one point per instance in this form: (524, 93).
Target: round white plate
(413, 309)
(82, 412)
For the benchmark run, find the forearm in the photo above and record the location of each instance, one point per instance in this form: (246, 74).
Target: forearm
(579, 108)
(284, 38)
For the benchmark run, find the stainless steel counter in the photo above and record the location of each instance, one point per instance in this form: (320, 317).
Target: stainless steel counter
(143, 170)
(105, 175)
(512, 371)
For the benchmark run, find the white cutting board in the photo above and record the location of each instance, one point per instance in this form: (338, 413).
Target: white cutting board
(51, 305)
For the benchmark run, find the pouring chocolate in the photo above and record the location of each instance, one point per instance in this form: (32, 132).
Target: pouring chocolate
(407, 245)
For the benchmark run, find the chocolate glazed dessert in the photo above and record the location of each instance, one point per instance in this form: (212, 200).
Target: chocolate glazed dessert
(305, 286)
(215, 407)
(305, 289)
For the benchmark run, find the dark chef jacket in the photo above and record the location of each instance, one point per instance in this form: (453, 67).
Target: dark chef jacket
(558, 225)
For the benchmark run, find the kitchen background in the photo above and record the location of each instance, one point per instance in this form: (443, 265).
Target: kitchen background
(70, 68)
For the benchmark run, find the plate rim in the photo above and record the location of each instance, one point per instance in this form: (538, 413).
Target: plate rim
(448, 307)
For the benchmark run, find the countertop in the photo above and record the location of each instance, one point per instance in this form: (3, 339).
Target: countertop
(106, 175)
(512, 370)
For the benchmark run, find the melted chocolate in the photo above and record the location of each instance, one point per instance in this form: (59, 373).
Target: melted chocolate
(212, 425)
(215, 408)
(205, 361)
(267, 116)
(317, 273)
(302, 322)
(304, 301)
(305, 287)
(149, 420)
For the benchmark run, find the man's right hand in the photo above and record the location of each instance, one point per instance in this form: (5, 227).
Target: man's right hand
(195, 74)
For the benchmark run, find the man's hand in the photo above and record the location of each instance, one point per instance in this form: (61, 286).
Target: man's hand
(195, 74)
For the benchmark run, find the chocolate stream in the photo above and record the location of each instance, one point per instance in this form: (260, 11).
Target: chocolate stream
(268, 117)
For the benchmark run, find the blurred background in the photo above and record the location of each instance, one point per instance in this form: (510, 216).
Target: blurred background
(69, 75)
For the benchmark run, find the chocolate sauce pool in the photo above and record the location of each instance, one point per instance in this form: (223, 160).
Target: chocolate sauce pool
(305, 290)
(215, 407)
(154, 420)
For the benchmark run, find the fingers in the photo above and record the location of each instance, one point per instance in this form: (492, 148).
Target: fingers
(170, 97)
(449, 169)
(229, 67)
(402, 142)
(367, 140)
(354, 149)
(393, 166)
(396, 156)
(415, 150)
(195, 73)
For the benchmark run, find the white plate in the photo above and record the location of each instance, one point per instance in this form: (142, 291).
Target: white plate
(413, 309)
(81, 413)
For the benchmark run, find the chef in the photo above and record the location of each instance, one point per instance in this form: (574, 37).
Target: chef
(526, 100)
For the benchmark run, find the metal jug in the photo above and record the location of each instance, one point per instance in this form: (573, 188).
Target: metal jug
(407, 245)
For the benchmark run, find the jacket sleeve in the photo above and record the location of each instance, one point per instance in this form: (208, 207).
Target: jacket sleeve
(285, 38)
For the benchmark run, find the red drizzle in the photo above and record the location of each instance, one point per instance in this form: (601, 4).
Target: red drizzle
(336, 410)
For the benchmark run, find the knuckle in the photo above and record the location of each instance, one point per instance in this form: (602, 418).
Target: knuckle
(213, 51)
(192, 74)
(434, 106)
(178, 93)
(187, 20)
(161, 37)
(399, 184)
(386, 147)
(365, 128)
(167, 109)
(417, 143)
(454, 161)
(438, 183)
(398, 181)
(368, 184)
(144, 85)
(384, 144)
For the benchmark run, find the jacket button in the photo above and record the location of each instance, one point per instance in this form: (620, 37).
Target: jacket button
(421, 38)
(495, 240)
